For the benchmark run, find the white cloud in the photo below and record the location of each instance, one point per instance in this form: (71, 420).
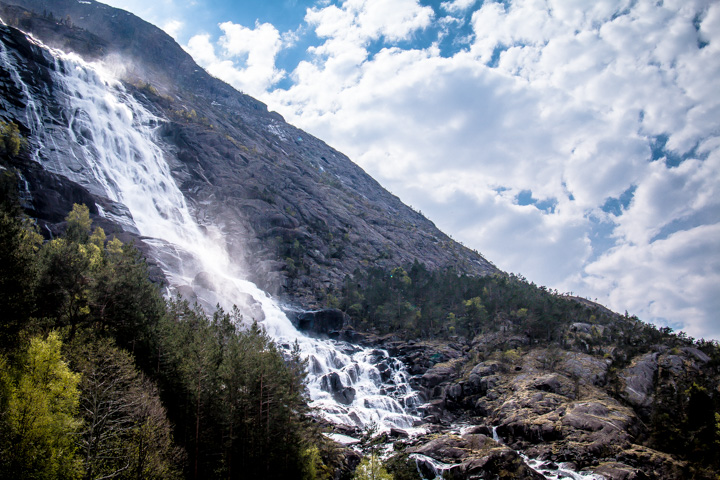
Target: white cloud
(246, 59)
(668, 281)
(457, 6)
(363, 20)
(173, 28)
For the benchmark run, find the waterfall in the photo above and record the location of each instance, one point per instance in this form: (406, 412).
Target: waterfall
(101, 137)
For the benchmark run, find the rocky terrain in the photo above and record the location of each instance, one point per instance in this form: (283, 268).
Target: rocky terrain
(594, 412)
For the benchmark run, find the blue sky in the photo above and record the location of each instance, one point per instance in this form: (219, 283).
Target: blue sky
(576, 143)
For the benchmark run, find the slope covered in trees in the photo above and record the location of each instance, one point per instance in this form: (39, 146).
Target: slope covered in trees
(101, 378)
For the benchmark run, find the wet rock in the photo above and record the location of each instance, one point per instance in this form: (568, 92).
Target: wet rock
(346, 396)
(474, 456)
(619, 471)
(398, 433)
(503, 461)
(446, 448)
(331, 382)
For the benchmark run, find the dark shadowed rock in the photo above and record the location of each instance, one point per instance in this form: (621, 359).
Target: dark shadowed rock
(321, 321)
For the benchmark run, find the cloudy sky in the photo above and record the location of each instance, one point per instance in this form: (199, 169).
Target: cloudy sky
(574, 142)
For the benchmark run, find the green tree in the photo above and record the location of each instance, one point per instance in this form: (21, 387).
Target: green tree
(11, 141)
(126, 433)
(40, 415)
(64, 283)
(78, 224)
(371, 468)
(18, 275)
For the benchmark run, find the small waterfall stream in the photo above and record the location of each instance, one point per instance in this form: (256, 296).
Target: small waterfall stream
(101, 137)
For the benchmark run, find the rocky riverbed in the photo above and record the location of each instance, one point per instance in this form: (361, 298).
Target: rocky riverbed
(563, 408)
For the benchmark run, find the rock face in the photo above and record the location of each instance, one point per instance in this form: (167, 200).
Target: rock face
(639, 380)
(300, 215)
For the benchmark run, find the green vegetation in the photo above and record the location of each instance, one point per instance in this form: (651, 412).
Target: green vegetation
(102, 378)
(417, 303)
(11, 141)
(39, 420)
(371, 468)
(413, 302)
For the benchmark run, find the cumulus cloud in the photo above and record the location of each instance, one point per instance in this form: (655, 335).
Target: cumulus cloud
(246, 57)
(363, 20)
(456, 6)
(668, 282)
(173, 28)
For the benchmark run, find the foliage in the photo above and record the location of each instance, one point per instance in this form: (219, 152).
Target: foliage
(245, 400)
(164, 389)
(125, 433)
(415, 302)
(401, 467)
(18, 245)
(371, 468)
(39, 415)
(11, 141)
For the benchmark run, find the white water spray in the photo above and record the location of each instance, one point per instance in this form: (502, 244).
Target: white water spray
(105, 140)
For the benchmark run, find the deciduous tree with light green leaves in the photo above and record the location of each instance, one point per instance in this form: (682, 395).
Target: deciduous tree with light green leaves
(40, 400)
(371, 468)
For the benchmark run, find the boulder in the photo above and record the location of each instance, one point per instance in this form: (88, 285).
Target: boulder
(699, 355)
(436, 375)
(586, 368)
(446, 448)
(555, 383)
(472, 456)
(498, 463)
(398, 433)
(619, 471)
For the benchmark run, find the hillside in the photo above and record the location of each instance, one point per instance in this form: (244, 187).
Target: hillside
(467, 372)
(299, 214)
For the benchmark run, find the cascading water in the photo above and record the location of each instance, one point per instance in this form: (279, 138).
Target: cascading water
(101, 137)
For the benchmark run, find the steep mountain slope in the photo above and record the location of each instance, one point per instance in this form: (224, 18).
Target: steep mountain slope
(301, 215)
